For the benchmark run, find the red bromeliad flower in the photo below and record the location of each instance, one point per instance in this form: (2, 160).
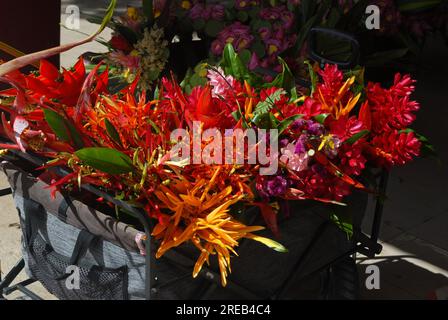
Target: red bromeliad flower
(211, 111)
(50, 84)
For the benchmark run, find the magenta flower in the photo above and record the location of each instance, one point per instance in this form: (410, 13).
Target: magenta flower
(238, 34)
(288, 19)
(218, 12)
(254, 62)
(217, 47)
(196, 11)
(265, 33)
(271, 186)
(271, 13)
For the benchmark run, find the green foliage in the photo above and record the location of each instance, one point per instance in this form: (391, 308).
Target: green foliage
(266, 105)
(63, 129)
(107, 160)
(285, 79)
(112, 132)
(357, 136)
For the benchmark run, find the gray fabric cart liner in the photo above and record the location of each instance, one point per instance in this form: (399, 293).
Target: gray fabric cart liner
(257, 268)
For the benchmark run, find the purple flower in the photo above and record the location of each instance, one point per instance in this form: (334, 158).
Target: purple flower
(218, 12)
(301, 144)
(237, 34)
(288, 19)
(271, 186)
(298, 124)
(314, 128)
(265, 33)
(277, 186)
(273, 46)
(207, 13)
(196, 11)
(254, 61)
(271, 13)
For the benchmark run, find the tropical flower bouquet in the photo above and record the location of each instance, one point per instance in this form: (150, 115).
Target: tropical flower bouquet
(192, 158)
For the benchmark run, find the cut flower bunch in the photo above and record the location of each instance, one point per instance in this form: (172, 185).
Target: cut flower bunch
(122, 143)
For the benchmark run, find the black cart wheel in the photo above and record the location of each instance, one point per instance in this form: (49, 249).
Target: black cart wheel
(341, 281)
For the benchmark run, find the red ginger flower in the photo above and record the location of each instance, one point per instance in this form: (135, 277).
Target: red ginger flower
(332, 81)
(352, 160)
(392, 108)
(396, 148)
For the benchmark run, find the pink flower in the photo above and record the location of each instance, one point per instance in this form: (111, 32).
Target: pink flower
(220, 82)
(292, 160)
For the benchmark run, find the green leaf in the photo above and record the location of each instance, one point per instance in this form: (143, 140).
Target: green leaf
(76, 138)
(107, 160)
(112, 132)
(109, 13)
(284, 124)
(357, 136)
(343, 224)
(269, 242)
(57, 124)
(265, 121)
(285, 79)
(232, 64)
(313, 76)
(321, 117)
(63, 129)
(154, 126)
(266, 105)
(245, 56)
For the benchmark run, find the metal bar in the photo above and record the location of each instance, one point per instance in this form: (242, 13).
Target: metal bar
(12, 274)
(9, 290)
(5, 192)
(379, 206)
(28, 292)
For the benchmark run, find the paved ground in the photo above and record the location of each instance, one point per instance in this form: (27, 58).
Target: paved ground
(414, 262)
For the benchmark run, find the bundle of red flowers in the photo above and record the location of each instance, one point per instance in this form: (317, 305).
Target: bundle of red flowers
(305, 147)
